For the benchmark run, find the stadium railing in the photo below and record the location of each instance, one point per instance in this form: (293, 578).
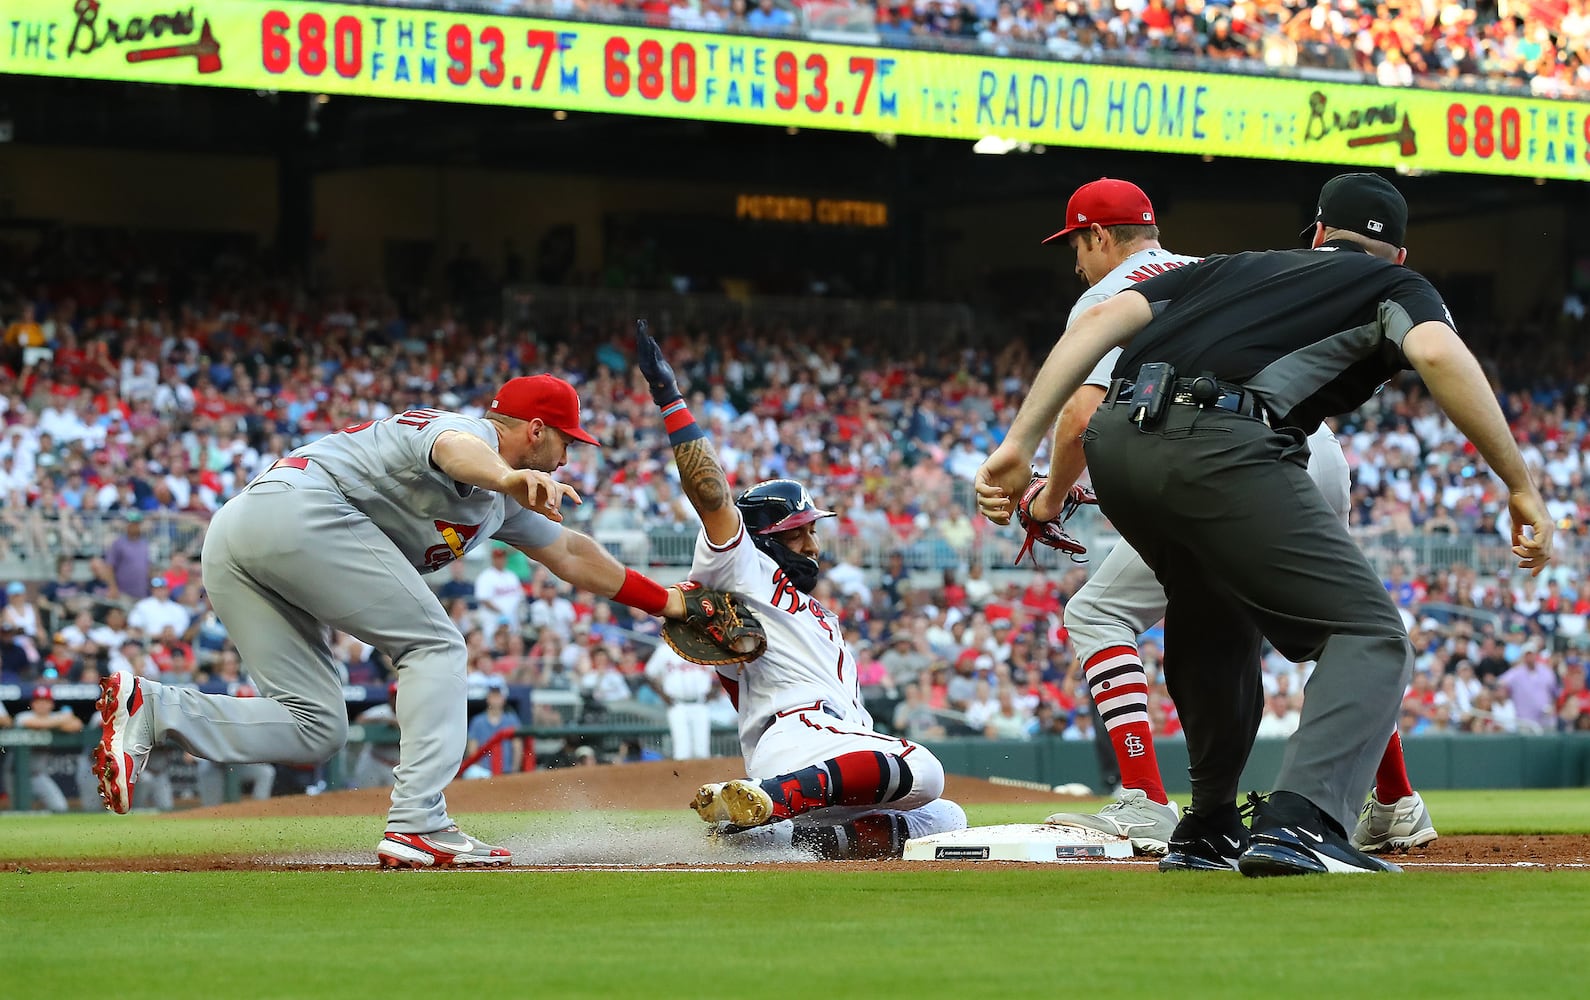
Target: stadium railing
(30, 544)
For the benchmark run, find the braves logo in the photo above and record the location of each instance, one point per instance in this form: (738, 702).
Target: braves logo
(455, 539)
(784, 590)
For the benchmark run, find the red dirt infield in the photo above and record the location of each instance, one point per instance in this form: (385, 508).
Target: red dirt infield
(671, 784)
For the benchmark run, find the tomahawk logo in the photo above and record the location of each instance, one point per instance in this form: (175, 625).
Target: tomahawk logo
(93, 32)
(1134, 745)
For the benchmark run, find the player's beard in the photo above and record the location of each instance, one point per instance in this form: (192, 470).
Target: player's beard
(801, 570)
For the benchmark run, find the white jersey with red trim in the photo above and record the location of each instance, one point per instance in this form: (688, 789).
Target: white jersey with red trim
(807, 662)
(1140, 266)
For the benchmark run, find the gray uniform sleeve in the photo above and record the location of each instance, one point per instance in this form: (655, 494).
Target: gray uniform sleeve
(425, 437)
(525, 528)
(1100, 375)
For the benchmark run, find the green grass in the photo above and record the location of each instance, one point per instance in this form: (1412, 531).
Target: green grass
(939, 932)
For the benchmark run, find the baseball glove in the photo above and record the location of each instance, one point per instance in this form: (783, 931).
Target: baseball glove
(1051, 533)
(716, 629)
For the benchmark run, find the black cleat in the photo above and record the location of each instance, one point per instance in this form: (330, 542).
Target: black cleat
(1292, 837)
(1205, 845)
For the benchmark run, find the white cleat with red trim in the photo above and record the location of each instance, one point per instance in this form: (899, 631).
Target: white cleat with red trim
(121, 754)
(439, 849)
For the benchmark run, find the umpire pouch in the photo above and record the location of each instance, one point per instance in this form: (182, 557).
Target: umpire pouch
(1203, 391)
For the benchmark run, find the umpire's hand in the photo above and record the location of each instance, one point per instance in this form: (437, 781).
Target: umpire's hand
(1533, 550)
(1000, 480)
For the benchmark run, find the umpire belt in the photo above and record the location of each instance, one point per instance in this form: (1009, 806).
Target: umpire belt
(1230, 396)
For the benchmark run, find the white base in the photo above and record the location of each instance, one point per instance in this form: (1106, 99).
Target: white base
(1018, 842)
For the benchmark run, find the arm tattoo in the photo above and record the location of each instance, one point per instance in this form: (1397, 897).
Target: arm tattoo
(701, 476)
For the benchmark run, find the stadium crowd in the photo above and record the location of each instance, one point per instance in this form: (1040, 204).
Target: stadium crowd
(1538, 44)
(135, 398)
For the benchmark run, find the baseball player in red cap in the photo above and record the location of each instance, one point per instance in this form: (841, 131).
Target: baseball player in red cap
(340, 533)
(1112, 227)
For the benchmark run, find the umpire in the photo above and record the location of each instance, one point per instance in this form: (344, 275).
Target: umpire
(1198, 457)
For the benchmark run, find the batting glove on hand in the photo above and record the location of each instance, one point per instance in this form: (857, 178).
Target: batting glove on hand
(1052, 532)
(658, 372)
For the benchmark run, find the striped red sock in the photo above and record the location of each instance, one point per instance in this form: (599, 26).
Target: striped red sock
(1119, 686)
(860, 778)
(1391, 778)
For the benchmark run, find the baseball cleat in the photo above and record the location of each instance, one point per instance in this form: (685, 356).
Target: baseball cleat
(740, 802)
(1398, 826)
(1292, 837)
(439, 849)
(118, 758)
(1202, 845)
(1135, 816)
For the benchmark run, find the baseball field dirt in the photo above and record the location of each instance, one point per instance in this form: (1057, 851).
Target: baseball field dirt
(584, 797)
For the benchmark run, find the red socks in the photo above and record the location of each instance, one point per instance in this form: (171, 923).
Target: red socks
(1391, 778)
(1119, 686)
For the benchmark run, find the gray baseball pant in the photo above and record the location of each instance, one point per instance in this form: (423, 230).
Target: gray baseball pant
(1223, 509)
(282, 560)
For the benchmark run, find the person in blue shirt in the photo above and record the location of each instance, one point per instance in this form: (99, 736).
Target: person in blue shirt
(769, 19)
(487, 724)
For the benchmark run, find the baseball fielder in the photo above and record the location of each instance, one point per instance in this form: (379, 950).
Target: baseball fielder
(339, 534)
(685, 688)
(1110, 224)
(820, 778)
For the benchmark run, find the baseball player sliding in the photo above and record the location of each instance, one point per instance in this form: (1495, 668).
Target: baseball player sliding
(1110, 224)
(819, 777)
(339, 533)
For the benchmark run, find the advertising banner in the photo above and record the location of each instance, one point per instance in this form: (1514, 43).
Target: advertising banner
(413, 54)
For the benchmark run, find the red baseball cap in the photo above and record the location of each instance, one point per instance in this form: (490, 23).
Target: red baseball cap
(42, 692)
(1109, 203)
(547, 398)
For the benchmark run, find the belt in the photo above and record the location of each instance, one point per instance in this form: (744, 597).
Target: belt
(1232, 397)
(289, 463)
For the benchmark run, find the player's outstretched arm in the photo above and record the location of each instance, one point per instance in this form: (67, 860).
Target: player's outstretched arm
(469, 459)
(700, 475)
(1006, 473)
(1066, 458)
(1457, 383)
(580, 561)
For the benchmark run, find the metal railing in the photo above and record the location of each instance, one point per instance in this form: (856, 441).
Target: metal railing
(31, 542)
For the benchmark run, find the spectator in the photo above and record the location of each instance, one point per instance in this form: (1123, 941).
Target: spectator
(158, 616)
(550, 610)
(504, 757)
(128, 559)
(42, 714)
(19, 613)
(499, 594)
(770, 19)
(1533, 685)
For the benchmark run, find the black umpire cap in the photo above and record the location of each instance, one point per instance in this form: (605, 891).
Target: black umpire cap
(1366, 204)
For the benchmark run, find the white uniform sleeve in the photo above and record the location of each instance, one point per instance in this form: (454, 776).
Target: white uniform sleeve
(733, 566)
(525, 528)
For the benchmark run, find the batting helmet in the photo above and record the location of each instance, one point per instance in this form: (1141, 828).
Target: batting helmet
(781, 505)
(776, 505)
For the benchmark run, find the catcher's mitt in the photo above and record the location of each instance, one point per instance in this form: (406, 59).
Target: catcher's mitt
(1051, 533)
(716, 629)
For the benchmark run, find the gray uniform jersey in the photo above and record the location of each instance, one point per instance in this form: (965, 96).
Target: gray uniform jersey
(384, 469)
(1140, 266)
